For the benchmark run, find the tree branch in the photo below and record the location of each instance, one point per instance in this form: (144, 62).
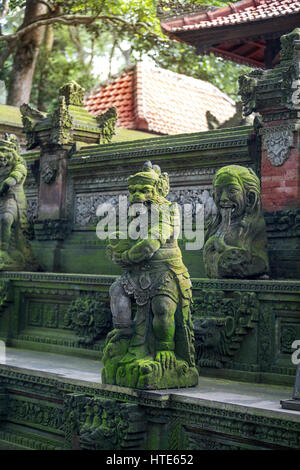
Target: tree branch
(115, 42)
(72, 20)
(74, 35)
(92, 53)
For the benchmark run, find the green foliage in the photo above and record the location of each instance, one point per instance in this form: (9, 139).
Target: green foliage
(58, 67)
(14, 4)
(127, 32)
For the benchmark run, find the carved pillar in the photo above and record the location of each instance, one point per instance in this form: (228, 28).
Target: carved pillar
(52, 189)
(56, 134)
(275, 95)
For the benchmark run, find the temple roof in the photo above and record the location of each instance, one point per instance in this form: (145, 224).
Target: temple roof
(241, 31)
(11, 122)
(160, 101)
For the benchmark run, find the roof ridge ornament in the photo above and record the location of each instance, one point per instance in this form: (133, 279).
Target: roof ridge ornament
(277, 88)
(178, 8)
(68, 123)
(73, 93)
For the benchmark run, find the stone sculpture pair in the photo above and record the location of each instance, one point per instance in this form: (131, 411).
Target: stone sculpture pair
(151, 345)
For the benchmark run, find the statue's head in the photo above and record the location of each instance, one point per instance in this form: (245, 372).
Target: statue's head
(148, 185)
(236, 188)
(9, 150)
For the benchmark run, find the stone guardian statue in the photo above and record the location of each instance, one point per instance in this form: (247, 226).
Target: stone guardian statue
(236, 240)
(15, 253)
(151, 345)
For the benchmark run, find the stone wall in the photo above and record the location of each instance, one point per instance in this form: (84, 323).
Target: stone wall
(253, 325)
(244, 329)
(45, 412)
(96, 174)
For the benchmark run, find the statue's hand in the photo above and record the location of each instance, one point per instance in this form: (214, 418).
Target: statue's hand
(118, 258)
(117, 249)
(167, 359)
(4, 187)
(219, 245)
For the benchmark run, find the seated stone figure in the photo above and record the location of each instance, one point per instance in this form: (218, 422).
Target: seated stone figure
(236, 240)
(151, 346)
(14, 249)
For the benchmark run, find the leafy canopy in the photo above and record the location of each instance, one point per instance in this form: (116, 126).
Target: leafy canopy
(120, 31)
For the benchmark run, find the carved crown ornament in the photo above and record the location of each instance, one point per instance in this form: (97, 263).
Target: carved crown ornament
(69, 122)
(277, 142)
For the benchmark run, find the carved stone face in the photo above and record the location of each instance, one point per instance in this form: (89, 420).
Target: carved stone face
(229, 194)
(48, 173)
(141, 193)
(207, 332)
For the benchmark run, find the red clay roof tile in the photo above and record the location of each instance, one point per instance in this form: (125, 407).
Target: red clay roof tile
(241, 12)
(161, 101)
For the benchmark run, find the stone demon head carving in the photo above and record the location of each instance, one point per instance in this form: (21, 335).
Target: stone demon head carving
(149, 185)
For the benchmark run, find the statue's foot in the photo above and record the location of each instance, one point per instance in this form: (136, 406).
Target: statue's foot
(167, 359)
(5, 260)
(140, 373)
(164, 372)
(117, 333)
(10, 262)
(136, 354)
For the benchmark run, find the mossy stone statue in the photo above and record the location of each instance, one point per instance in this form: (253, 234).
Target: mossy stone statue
(236, 240)
(151, 345)
(15, 253)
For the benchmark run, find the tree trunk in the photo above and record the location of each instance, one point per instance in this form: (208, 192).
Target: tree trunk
(25, 57)
(43, 59)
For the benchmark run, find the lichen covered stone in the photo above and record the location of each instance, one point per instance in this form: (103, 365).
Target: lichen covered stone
(236, 240)
(151, 345)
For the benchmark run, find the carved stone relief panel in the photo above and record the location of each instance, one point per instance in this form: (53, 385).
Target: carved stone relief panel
(277, 142)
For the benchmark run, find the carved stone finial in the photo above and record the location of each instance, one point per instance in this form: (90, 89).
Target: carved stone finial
(107, 124)
(287, 44)
(247, 90)
(73, 93)
(275, 89)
